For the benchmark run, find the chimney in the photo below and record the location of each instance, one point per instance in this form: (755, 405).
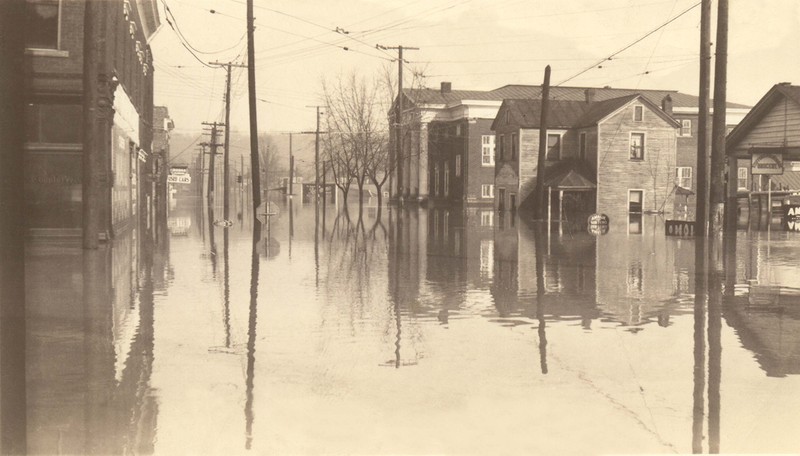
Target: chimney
(589, 95)
(666, 105)
(446, 87)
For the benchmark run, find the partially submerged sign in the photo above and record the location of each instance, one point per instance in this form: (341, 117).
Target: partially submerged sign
(766, 161)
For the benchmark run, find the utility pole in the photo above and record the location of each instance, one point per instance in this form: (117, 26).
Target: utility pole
(91, 158)
(540, 163)
(211, 169)
(291, 168)
(226, 164)
(316, 153)
(255, 174)
(701, 217)
(202, 166)
(719, 127)
(398, 112)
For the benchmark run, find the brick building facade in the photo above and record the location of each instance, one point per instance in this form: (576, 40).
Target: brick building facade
(54, 96)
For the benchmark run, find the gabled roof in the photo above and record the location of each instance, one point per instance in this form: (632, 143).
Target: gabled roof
(762, 108)
(571, 174)
(436, 96)
(566, 114)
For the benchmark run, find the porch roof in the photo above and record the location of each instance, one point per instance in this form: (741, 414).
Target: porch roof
(575, 175)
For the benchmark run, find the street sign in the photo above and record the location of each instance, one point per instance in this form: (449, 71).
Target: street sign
(179, 170)
(179, 179)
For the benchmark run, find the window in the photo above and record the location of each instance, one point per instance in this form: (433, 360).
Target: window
(637, 146)
(42, 23)
(458, 165)
(513, 146)
(447, 182)
(487, 150)
(553, 147)
(487, 218)
(458, 130)
(638, 113)
(741, 175)
(501, 147)
(436, 179)
(686, 127)
(487, 191)
(582, 146)
(54, 123)
(683, 177)
(635, 201)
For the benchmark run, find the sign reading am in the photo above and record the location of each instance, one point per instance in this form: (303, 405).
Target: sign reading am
(766, 162)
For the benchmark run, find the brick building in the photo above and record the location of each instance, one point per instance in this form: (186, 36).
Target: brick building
(447, 133)
(54, 70)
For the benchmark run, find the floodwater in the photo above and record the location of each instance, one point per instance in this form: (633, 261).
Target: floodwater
(406, 331)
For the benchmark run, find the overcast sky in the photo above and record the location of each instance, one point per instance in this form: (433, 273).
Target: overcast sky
(475, 44)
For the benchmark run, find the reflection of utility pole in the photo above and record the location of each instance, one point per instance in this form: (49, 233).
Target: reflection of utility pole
(291, 168)
(398, 111)
(255, 178)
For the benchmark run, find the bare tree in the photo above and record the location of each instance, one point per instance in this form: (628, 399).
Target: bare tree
(271, 166)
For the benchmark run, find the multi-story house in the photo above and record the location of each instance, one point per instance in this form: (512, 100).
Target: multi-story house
(614, 156)
(54, 102)
(447, 138)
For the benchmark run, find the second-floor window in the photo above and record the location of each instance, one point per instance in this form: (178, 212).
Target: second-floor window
(513, 146)
(553, 147)
(42, 24)
(487, 150)
(683, 177)
(487, 191)
(582, 146)
(637, 146)
(686, 127)
(458, 165)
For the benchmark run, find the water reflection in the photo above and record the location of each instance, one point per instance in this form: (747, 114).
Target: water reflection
(474, 318)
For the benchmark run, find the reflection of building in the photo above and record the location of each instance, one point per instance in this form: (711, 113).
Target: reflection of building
(90, 348)
(54, 143)
(643, 277)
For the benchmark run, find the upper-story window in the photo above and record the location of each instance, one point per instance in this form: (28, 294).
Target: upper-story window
(686, 127)
(683, 177)
(638, 113)
(458, 165)
(487, 150)
(637, 146)
(553, 146)
(582, 146)
(513, 146)
(42, 24)
(53, 123)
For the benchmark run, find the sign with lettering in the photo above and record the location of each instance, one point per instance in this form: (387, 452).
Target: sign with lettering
(679, 228)
(766, 162)
(179, 179)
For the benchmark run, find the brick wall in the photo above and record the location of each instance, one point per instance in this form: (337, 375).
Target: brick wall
(477, 174)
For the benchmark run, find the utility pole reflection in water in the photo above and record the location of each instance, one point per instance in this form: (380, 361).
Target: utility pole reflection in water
(226, 284)
(701, 288)
(251, 335)
(211, 239)
(540, 291)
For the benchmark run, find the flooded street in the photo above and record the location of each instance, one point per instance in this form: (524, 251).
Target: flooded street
(408, 331)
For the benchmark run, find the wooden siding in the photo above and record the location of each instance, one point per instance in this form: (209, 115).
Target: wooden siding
(781, 122)
(617, 173)
(528, 162)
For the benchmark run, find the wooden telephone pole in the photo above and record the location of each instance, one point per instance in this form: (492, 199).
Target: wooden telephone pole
(540, 163)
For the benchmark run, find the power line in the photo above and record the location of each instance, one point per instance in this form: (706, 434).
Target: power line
(629, 45)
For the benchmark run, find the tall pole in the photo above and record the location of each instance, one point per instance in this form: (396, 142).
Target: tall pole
(13, 402)
(701, 218)
(316, 161)
(211, 161)
(719, 127)
(255, 169)
(202, 167)
(398, 113)
(226, 165)
(540, 163)
(291, 168)
(91, 158)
